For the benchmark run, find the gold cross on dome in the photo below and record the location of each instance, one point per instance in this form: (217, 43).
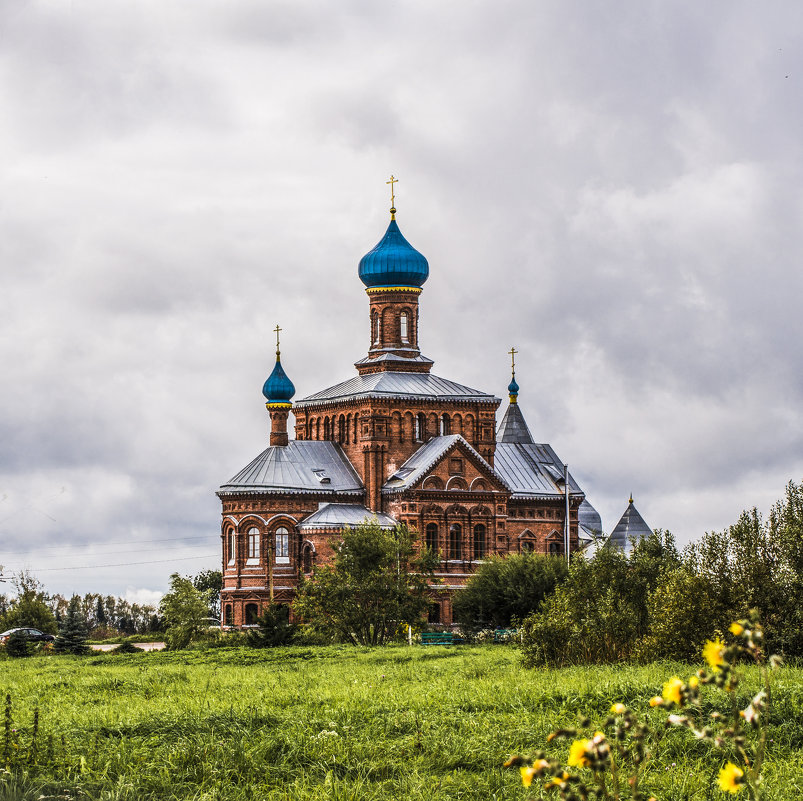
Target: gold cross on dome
(392, 190)
(277, 330)
(513, 353)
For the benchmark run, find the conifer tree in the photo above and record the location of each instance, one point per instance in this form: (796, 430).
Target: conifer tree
(72, 632)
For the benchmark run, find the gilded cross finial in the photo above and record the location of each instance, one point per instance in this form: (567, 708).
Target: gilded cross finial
(277, 330)
(392, 196)
(513, 353)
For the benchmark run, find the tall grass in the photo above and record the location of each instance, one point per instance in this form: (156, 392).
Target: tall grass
(333, 722)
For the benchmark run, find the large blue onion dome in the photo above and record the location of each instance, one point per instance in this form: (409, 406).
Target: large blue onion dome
(278, 388)
(513, 388)
(393, 262)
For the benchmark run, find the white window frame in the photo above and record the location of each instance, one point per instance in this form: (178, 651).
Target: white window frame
(404, 327)
(282, 539)
(232, 547)
(253, 546)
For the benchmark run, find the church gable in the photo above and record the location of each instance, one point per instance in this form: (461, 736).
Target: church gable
(446, 463)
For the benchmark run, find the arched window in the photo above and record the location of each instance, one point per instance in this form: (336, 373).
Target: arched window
(228, 615)
(455, 541)
(251, 614)
(253, 546)
(232, 547)
(432, 536)
(446, 424)
(375, 328)
(555, 549)
(479, 541)
(282, 546)
(341, 429)
(527, 546)
(403, 325)
(306, 559)
(420, 427)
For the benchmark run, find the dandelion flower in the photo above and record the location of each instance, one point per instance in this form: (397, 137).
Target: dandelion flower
(556, 781)
(731, 778)
(713, 653)
(656, 700)
(693, 682)
(736, 629)
(578, 753)
(527, 775)
(618, 709)
(673, 691)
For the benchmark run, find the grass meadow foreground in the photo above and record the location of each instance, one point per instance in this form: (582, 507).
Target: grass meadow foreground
(340, 723)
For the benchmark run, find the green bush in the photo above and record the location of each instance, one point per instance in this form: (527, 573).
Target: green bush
(72, 634)
(273, 628)
(507, 589)
(18, 645)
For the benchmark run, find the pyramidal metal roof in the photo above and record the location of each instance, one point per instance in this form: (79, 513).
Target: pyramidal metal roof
(397, 385)
(629, 529)
(339, 515)
(307, 466)
(532, 470)
(513, 427)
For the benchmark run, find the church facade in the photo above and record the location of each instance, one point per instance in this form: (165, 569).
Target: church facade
(394, 443)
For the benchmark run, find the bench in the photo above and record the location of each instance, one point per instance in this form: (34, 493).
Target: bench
(505, 635)
(437, 638)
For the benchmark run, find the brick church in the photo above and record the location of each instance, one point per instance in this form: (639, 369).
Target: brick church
(394, 443)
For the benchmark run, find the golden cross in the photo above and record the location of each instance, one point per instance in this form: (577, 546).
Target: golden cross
(392, 193)
(513, 353)
(277, 329)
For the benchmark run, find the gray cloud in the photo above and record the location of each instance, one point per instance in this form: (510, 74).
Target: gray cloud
(615, 194)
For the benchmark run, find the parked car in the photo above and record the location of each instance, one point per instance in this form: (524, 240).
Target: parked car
(32, 635)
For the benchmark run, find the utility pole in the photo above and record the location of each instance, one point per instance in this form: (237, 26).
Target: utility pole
(270, 567)
(566, 521)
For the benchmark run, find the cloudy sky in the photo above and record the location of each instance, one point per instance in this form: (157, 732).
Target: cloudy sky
(613, 189)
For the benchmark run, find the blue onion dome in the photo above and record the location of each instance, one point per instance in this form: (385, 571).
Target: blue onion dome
(393, 262)
(513, 387)
(278, 388)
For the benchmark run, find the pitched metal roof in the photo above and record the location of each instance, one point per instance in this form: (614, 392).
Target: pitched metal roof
(589, 520)
(629, 529)
(422, 461)
(300, 466)
(339, 515)
(397, 385)
(513, 427)
(531, 470)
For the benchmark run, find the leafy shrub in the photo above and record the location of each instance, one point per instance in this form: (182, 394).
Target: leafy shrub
(273, 628)
(18, 645)
(507, 589)
(71, 638)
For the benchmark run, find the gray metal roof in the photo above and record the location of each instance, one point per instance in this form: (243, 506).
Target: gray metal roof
(589, 519)
(532, 471)
(338, 515)
(422, 461)
(300, 466)
(513, 427)
(397, 385)
(630, 528)
(394, 357)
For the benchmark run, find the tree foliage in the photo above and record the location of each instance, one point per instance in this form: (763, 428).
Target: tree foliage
(376, 582)
(273, 628)
(184, 609)
(72, 634)
(30, 606)
(210, 582)
(507, 588)
(601, 612)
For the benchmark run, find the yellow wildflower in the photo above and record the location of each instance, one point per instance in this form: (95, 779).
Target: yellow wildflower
(656, 700)
(713, 653)
(693, 682)
(731, 778)
(527, 775)
(736, 629)
(618, 709)
(539, 766)
(673, 691)
(578, 753)
(556, 781)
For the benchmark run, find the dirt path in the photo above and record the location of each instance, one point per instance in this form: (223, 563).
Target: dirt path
(144, 646)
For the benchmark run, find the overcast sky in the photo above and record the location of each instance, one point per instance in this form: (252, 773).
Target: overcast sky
(615, 189)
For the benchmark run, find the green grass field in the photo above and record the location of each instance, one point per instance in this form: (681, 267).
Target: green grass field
(338, 723)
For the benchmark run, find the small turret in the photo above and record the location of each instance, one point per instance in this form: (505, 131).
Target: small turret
(278, 390)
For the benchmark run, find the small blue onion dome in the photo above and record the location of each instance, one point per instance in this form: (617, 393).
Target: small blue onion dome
(278, 388)
(393, 262)
(513, 387)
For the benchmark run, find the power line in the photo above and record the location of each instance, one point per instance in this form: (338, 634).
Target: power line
(124, 564)
(110, 542)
